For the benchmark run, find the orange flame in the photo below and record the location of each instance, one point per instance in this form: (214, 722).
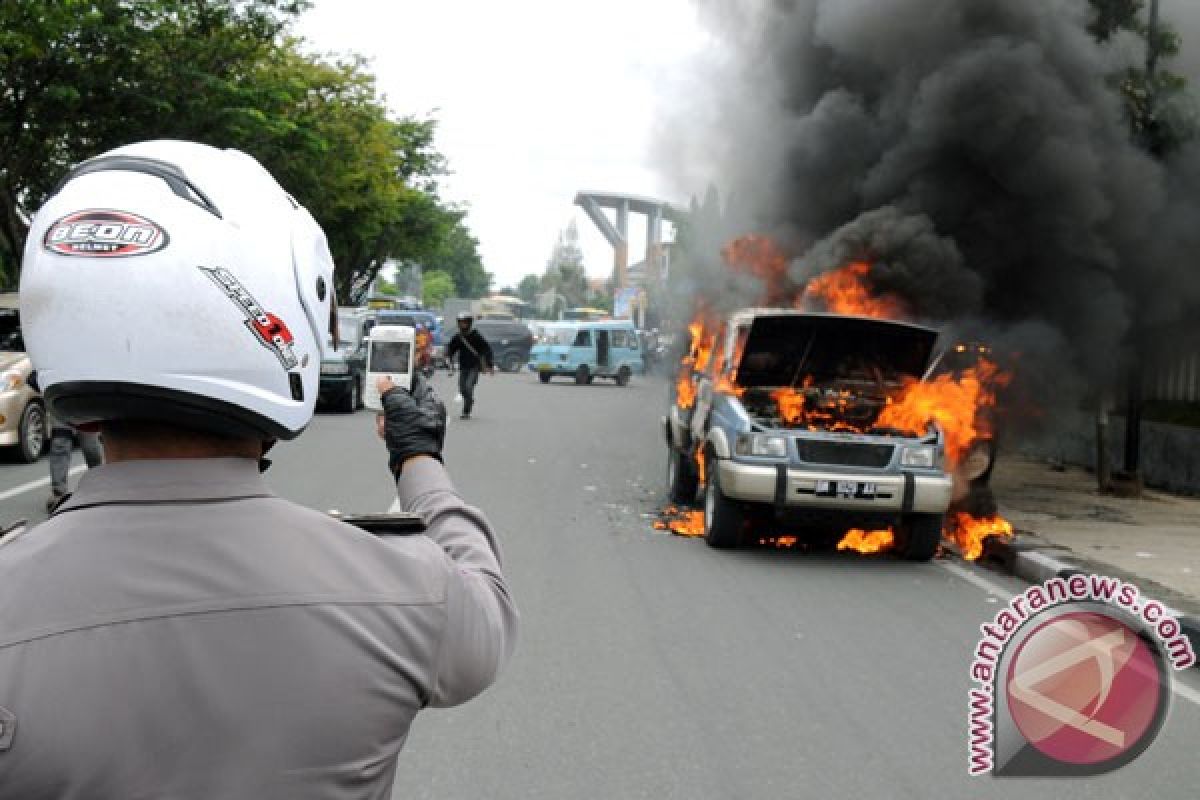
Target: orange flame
(848, 291)
(867, 542)
(681, 522)
(685, 386)
(969, 533)
(954, 403)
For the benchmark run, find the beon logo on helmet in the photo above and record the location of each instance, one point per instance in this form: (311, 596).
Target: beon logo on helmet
(105, 234)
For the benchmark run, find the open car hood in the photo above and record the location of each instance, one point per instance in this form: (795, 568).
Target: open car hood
(785, 349)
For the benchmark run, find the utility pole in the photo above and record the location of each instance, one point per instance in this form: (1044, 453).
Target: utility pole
(1136, 376)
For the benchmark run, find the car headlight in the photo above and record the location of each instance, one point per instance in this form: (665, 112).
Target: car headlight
(760, 444)
(335, 368)
(923, 457)
(11, 380)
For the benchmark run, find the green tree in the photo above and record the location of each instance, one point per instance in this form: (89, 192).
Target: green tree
(457, 253)
(81, 76)
(528, 288)
(438, 285)
(1160, 113)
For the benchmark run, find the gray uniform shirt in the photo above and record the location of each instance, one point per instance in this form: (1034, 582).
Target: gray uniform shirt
(177, 631)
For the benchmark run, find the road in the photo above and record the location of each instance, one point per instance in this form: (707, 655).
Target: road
(652, 666)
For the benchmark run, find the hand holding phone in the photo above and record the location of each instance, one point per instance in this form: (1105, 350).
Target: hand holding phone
(390, 357)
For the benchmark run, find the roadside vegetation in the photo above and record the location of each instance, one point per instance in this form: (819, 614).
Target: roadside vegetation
(78, 77)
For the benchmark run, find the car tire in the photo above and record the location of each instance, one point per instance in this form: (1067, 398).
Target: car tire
(362, 403)
(582, 377)
(921, 535)
(351, 399)
(544, 377)
(724, 519)
(623, 375)
(511, 362)
(682, 480)
(32, 433)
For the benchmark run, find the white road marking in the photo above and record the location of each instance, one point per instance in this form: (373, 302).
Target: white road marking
(975, 578)
(40, 482)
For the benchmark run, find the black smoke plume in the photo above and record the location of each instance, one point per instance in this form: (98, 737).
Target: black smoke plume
(976, 152)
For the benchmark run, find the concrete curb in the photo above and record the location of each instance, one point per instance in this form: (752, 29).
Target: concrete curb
(1038, 563)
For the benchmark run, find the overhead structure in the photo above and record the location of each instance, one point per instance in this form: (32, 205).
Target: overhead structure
(655, 211)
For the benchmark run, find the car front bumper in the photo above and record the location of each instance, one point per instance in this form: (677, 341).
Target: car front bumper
(790, 487)
(12, 406)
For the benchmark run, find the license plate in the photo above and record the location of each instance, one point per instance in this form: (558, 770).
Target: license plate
(846, 490)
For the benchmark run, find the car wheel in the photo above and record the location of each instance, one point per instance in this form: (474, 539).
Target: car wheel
(544, 377)
(511, 362)
(581, 375)
(724, 519)
(682, 480)
(31, 433)
(351, 399)
(921, 535)
(623, 376)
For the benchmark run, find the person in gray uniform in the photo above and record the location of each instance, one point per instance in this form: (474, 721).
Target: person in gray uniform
(175, 629)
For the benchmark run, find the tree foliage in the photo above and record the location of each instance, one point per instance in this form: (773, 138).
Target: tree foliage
(528, 288)
(457, 254)
(1160, 113)
(78, 77)
(437, 286)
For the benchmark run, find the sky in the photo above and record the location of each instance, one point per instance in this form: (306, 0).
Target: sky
(535, 99)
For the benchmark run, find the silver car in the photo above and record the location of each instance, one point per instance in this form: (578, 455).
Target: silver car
(23, 426)
(783, 426)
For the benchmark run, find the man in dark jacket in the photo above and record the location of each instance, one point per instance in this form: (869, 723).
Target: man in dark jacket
(474, 354)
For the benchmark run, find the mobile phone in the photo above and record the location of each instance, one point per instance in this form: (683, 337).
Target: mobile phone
(390, 353)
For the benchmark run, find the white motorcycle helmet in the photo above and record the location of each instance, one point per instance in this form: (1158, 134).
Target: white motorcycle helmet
(175, 282)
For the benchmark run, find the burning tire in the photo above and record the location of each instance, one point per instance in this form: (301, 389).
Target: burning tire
(921, 535)
(682, 480)
(724, 519)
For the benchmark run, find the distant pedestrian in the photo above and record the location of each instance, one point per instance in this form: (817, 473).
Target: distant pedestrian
(474, 355)
(62, 442)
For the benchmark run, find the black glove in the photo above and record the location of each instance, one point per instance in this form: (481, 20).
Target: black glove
(414, 423)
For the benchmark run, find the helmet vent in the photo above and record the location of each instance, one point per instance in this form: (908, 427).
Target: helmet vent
(173, 175)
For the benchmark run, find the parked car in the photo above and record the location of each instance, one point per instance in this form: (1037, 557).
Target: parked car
(589, 350)
(782, 426)
(510, 341)
(24, 429)
(343, 370)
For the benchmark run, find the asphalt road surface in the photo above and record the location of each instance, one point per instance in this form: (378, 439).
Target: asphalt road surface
(652, 666)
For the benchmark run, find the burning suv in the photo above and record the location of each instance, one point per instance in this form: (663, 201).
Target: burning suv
(788, 416)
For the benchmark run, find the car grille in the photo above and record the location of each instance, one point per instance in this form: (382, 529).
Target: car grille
(847, 454)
